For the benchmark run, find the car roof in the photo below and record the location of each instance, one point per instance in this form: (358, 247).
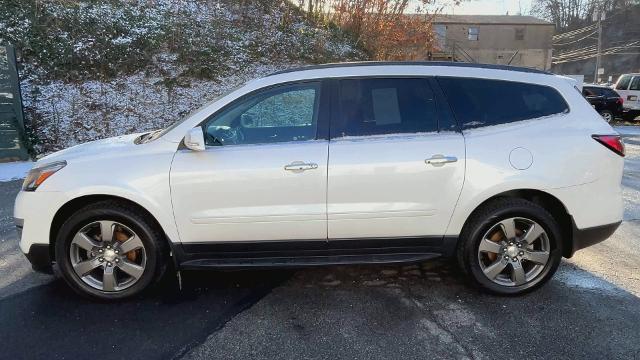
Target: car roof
(597, 86)
(411, 63)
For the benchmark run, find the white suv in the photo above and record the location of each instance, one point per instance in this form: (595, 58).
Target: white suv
(506, 169)
(628, 86)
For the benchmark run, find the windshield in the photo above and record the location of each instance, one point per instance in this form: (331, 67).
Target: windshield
(159, 133)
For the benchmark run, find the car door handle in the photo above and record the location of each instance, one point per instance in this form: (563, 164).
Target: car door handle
(300, 166)
(440, 160)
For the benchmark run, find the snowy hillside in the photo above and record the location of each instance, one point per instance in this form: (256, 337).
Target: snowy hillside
(97, 69)
(67, 113)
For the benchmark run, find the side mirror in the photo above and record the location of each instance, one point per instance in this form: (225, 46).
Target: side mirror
(194, 140)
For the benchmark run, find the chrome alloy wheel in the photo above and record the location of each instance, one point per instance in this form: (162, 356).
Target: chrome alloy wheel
(514, 251)
(107, 256)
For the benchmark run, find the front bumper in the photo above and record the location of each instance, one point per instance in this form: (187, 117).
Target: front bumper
(37, 210)
(38, 254)
(583, 238)
(40, 258)
(33, 215)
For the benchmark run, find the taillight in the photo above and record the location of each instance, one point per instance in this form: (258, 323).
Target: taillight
(613, 142)
(620, 101)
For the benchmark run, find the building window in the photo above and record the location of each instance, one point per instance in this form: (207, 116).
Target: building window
(520, 34)
(473, 33)
(441, 35)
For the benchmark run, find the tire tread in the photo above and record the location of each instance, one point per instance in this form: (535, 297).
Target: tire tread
(490, 210)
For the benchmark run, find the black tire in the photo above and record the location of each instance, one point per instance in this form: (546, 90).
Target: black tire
(487, 216)
(151, 237)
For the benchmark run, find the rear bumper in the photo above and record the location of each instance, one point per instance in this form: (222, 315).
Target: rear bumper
(618, 111)
(583, 238)
(630, 112)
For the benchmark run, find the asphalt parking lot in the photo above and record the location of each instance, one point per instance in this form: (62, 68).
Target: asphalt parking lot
(590, 309)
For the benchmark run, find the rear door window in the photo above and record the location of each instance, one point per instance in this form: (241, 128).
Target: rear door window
(635, 83)
(380, 106)
(482, 102)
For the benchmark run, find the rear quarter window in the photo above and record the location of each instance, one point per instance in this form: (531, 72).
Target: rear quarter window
(483, 102)
(623, 82)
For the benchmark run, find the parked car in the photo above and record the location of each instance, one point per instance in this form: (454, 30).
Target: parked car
(605, 100)
(628, 86)
(361, 163)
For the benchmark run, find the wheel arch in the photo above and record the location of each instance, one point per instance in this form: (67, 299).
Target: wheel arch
(549, 202)
(74, 204)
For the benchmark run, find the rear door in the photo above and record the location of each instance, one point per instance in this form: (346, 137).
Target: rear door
(392, 172)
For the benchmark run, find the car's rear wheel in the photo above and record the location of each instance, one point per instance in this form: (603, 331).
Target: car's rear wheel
(607, 115)
(510, 246)
(108, 250)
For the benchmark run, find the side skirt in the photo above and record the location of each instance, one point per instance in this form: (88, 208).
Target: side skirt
(306, 253)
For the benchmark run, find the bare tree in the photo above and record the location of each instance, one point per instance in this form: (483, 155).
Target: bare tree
(570, 14)
(388, 29)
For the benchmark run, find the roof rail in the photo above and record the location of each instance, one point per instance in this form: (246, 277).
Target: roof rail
(413, 63)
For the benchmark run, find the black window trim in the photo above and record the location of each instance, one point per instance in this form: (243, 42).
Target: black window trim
(446, 106)
(459, 123)
(430, 80)
(323, 110)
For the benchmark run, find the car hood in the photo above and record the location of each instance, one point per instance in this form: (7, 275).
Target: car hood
(93, 149)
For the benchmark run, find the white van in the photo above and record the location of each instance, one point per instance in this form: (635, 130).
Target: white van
(628, 86)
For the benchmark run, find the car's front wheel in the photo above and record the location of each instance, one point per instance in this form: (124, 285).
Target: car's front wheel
(108, 250)
(510, 246)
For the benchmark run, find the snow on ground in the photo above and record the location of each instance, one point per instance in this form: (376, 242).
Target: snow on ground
(140, 65)
(14, 170)
(578, 278)
(627, 129)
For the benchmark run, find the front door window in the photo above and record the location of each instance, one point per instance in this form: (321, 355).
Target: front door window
(282, 114)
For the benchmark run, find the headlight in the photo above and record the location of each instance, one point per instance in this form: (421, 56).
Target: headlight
(38, 175)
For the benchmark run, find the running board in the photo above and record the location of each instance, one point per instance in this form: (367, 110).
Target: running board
(305, 261)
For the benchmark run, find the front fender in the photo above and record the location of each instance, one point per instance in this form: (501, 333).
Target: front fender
(158, 204)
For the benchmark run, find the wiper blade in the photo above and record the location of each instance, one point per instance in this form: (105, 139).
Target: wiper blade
(149, 136)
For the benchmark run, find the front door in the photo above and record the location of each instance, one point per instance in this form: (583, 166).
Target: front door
(263, 173)
(392, 173)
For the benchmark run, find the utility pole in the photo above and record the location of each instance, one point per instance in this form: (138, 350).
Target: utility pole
(599, 14)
